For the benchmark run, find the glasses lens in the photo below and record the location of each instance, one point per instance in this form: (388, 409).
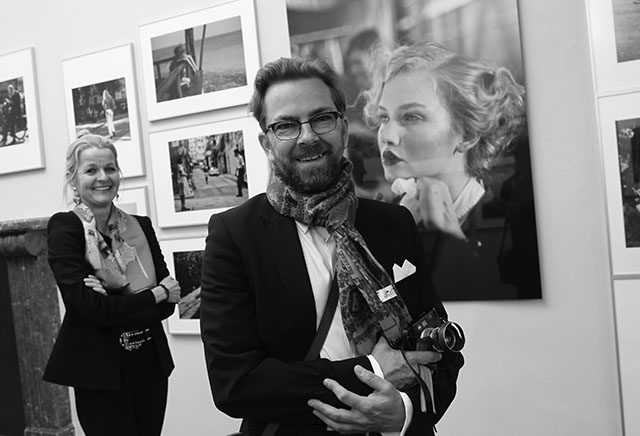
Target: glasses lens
(323, 123)
(287, 129)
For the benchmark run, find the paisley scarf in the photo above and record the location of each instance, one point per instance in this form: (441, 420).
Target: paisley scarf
(124, 264)
(369, 302)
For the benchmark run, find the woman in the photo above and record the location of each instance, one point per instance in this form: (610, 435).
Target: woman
(443, 121)
(109, 106)
(111, 347)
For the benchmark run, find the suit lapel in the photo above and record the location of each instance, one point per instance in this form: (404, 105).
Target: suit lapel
(283, 243)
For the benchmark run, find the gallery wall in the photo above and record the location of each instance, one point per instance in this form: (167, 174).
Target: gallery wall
(533, 367)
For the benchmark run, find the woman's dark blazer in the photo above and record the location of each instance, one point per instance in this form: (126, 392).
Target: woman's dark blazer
(87, 353)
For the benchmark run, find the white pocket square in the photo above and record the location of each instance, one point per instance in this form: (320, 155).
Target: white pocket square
(404, 271)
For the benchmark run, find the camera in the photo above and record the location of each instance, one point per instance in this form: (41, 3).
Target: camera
(433, 333)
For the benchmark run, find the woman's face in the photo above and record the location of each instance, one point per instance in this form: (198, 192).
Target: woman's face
(416, 134)
(98, 178)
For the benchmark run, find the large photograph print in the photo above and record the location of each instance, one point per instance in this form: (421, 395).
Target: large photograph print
(466, 178)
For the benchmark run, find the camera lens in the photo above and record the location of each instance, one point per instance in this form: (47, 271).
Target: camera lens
(452, 337)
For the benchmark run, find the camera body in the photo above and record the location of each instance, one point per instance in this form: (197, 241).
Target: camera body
(433, 333)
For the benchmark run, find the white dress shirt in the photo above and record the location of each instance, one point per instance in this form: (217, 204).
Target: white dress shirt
(319, 249)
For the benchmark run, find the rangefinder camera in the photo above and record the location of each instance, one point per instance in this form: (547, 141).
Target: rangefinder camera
(433, 333)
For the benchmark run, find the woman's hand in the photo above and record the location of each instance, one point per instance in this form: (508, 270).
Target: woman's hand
(95, 284)
(174, 289)
(429, 201)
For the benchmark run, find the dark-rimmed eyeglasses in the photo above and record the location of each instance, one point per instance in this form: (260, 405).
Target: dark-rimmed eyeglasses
(324, 122)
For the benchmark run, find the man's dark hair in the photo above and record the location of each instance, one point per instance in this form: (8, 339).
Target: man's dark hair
(287, 69)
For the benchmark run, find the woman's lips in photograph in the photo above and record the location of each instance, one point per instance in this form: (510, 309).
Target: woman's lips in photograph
(389, 158)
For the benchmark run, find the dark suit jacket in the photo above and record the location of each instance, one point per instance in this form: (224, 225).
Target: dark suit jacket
(258, 314)
(87, 352)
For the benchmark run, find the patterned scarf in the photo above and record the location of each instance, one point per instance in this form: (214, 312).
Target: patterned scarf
(127, 263)
(369, 302)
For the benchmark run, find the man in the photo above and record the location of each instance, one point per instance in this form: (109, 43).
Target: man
(269, 265)
(240, 168)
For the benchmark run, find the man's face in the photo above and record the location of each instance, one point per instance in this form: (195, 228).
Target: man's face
(310, 162)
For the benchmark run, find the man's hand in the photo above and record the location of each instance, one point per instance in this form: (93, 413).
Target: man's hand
(394, 366)
(380, 411)
(174, 289)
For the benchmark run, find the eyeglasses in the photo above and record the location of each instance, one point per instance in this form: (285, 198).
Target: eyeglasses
(324, 122)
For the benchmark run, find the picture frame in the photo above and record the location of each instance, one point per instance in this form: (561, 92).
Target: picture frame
(200, 61)
(626, 300)
(492, 261)
(194, 170)
(133, 201)
(184, 261)
(24, 150)
(620, 131)
(615, 44)
(86, 80)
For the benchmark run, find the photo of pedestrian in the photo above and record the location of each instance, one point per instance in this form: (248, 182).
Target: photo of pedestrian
(240, 171)
(102, 109)
(13, 120)
(208, 172)
(199, 60)
(468, 186)
(109, 107)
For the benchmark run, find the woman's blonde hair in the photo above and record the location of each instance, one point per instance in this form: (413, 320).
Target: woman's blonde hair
(486, 104)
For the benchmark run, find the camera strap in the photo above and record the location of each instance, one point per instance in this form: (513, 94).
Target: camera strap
(318, 341)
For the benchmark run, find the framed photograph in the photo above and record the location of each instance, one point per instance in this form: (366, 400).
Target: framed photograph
(497, 258)
(100, 94)
(616, 44)
(627, 298)
(184, 260)
(620, 130)
(200, 61)
(20, 137)
(133, 201)
(204, 169)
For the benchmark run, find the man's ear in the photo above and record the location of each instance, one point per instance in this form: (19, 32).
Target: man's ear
(266, 145)
(345, 132)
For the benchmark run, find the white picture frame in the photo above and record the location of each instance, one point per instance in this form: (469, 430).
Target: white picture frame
(25, 151)
(86, 78)
(615, 69)
(224, 51)
(177, 253)
(626, 300)
(206, 146)
(133, 201)
(619, 116)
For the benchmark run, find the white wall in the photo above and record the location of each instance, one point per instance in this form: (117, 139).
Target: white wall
(545, 367)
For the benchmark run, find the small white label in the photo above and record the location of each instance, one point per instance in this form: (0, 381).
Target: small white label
(386, 293)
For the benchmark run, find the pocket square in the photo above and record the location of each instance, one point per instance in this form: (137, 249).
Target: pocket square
(404, 271)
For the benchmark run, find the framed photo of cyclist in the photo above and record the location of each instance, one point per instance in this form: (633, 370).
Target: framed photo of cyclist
(200, 61)
(207, 168)
(20, 137)
(620, 139)
(100, 97)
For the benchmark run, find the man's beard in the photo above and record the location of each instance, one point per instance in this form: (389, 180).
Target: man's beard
(311, 180)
